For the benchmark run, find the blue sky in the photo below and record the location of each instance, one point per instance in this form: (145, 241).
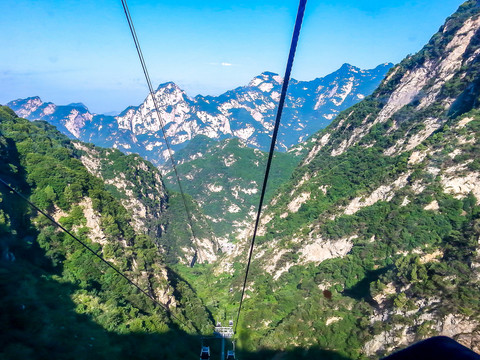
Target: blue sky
(81, 51)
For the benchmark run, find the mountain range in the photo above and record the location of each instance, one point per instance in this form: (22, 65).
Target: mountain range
(246, 112)
(370, 244)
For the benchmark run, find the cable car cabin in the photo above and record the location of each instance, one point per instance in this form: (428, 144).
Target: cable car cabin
(205, 353)
(230, 323)
(231, 355)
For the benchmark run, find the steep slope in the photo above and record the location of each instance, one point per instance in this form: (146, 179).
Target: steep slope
(381, 131)
(246, 113)
(374, 243)
(225, 179)
(43, 164)
(138, 185)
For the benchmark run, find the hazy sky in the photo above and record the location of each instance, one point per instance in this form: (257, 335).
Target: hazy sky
(81, 51)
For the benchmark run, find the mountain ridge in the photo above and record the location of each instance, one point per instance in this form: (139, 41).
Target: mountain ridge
(373, 244)
(224, 178)
(246, 112)
(51, 285)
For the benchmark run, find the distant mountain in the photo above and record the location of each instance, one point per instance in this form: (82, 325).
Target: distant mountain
(246, 113)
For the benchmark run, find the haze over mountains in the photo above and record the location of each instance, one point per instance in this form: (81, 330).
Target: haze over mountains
(246, 112)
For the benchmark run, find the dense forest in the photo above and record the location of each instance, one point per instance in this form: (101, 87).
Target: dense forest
(225, 177)
(373, 243)
(58, 299)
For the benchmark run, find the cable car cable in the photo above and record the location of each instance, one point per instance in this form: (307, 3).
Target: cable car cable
(162, 124)
(95, 253)
(291, 56)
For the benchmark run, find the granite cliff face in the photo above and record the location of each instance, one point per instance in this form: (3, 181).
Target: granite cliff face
(139, 187)
(246, 113)
(138, 183)
(383, 213)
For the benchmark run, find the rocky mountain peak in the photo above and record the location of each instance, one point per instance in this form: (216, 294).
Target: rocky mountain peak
(247, 113)
(169, 86)
(348, 67)
(27, 106)
(79, 106)
(265, 78)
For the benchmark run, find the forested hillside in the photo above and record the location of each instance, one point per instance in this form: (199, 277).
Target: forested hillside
(374, 242)
(155, 211)
(225, 179)
(59, 300)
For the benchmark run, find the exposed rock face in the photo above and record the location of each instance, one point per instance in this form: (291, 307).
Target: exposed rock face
(382, 296)
(141, 184)
(141, 191)
(321, 250)
(461, 186)
(361, 216)
(297, 202)
(382, 193)
(454, 326)
(419, 86)
(247, 113)
(69, 119)
(96, 233)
